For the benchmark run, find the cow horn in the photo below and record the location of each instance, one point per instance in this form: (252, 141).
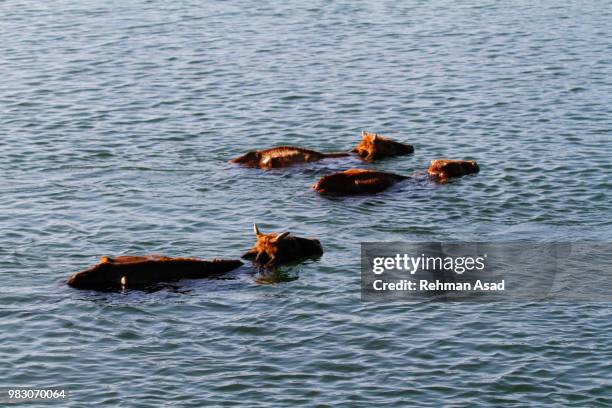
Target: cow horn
(282, 235)
(256, 230)
(375, 136)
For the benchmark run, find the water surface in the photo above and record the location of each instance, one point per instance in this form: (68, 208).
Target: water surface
(118, 119)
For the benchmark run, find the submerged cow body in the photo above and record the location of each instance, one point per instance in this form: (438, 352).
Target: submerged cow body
(357, 181)
(443, 169)
(374, 146)
(282, 156)
(274, 249)
(143, 271)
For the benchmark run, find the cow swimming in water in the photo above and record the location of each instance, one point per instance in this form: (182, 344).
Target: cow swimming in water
(275, 249)
(371, 147)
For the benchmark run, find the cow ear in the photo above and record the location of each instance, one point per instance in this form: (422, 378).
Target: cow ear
(281, 236)
(375, 136)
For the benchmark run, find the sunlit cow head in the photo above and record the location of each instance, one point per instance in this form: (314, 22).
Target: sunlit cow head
(374, 146)
(443, 169)
(278, 248)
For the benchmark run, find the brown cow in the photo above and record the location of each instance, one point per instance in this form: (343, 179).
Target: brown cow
(356, 181)
(142, 271)
(274, 249)
(374, 146)
(282, 156)
(443, 169)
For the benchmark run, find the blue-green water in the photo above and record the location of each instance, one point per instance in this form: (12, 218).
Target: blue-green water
(117, 119)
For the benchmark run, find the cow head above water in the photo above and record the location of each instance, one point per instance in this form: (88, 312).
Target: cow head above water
(374, 146)
(277, 248)
(443, 169)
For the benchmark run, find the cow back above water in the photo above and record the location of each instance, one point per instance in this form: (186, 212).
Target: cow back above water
(357, 181)
(282, 156)
(142, 271)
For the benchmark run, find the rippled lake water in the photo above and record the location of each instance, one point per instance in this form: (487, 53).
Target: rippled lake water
(117, 122)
